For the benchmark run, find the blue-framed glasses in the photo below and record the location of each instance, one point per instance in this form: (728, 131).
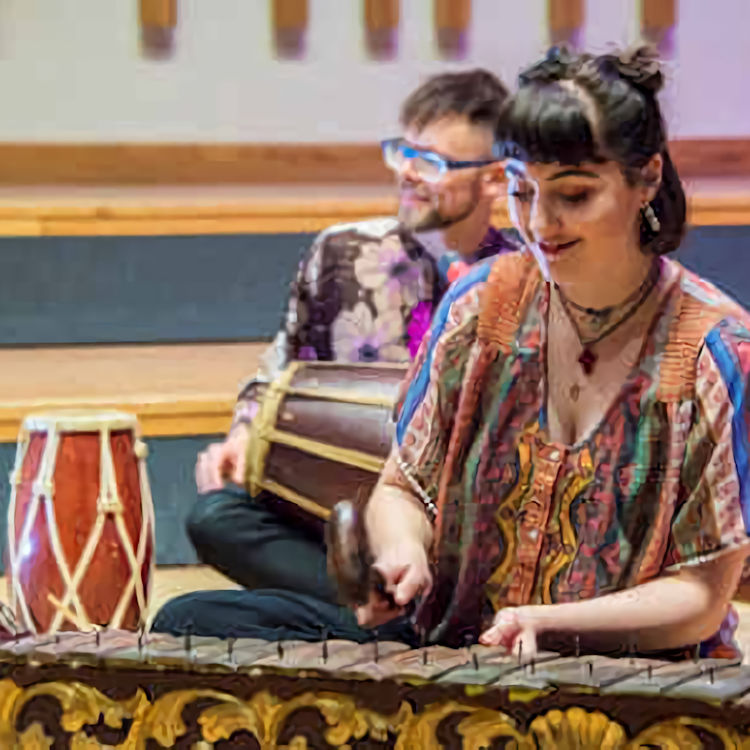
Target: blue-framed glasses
(430, 166)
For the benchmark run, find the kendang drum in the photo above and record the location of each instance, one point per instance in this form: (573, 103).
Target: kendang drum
(322, 433)
(80, 523)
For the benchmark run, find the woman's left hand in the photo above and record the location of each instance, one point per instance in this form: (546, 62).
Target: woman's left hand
(515, 628)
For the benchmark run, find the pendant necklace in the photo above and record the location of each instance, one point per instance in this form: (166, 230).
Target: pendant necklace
(588, 358)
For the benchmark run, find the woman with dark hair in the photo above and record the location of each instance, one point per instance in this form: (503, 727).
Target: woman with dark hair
(571, 462)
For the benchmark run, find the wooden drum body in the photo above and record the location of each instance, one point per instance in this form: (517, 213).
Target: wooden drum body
(322, 433)
(80, 523)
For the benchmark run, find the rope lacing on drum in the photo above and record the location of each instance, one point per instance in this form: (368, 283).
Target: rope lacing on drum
(108, 504)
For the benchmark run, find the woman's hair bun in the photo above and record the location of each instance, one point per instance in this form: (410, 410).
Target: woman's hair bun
(555, 66)
(639, 66)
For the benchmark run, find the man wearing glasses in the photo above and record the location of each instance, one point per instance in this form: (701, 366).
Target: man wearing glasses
(364, 292)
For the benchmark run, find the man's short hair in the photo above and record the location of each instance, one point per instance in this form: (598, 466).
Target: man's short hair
(477, 95)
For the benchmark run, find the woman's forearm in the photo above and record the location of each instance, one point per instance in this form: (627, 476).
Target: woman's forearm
(670, 612)
(393, 510)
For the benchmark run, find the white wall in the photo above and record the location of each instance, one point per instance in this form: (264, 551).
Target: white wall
(70, 70)
(712, 93)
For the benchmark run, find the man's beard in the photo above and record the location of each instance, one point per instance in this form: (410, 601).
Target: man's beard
(427, 215)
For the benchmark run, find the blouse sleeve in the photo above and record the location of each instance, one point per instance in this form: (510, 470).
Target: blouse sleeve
(430, 392)
(714, 515)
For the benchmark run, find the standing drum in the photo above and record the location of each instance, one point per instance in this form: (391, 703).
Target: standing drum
(80, 523)
(323, 432)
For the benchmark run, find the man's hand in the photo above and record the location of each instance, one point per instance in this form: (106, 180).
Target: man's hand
(222, 462)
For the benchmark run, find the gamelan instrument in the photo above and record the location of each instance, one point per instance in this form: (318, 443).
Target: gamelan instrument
(322, 433)
(124, 689)
(80, 523)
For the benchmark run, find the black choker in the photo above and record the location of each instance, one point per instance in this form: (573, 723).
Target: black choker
(633, 303)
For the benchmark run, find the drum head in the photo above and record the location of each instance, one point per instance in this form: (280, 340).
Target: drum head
(79, 420)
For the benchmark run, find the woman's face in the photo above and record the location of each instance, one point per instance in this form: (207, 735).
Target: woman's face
(580, 221)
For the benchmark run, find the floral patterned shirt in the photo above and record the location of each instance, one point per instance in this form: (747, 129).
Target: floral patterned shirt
(662, 482)
(365, 292)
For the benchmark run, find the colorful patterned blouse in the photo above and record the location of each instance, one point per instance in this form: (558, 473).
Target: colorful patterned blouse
(660, 483)
(364, 292)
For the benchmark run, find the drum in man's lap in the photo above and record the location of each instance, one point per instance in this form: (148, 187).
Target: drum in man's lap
(323, 432)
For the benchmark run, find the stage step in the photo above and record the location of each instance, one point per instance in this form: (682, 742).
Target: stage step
(152, 210)
(74, 210)
(174, 389)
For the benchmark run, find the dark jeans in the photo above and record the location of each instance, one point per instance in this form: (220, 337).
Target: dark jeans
(262, 545)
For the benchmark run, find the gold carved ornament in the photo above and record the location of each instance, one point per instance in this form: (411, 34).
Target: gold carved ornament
(265, 717)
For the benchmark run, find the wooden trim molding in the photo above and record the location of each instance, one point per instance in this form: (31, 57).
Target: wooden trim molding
(166, 419)
(271, 163)
(711, 157)
(190, 163)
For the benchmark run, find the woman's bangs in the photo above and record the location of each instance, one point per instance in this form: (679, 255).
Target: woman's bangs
(548, 124)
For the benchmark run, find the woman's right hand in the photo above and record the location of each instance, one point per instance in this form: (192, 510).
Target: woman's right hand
(406, 576)
(399, 535)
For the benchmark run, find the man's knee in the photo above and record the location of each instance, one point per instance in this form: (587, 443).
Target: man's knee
(211, 519)
(226, 517)
(201, 520)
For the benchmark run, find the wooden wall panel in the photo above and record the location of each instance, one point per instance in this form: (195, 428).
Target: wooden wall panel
(381, 19)
(565, 19)
(452, 20)
(289, 19)
(658, 14)
(158, 20)
(658, 21)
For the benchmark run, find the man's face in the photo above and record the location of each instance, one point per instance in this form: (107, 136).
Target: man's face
(426, 205)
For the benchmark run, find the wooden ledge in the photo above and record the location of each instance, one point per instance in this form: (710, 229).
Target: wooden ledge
(181, 210)
(718, 201)
(157, 418)
(254, 209)
(212, 163)
(181, 389)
